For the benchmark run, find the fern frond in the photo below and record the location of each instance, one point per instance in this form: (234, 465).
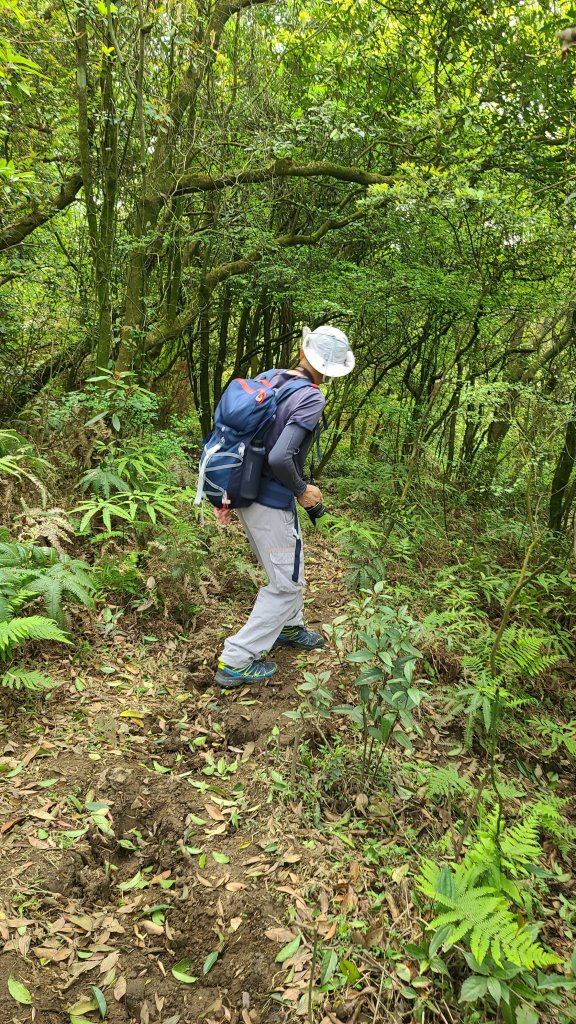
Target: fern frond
(32, 627)
(481, 914)
(445, 781)
(18, 678)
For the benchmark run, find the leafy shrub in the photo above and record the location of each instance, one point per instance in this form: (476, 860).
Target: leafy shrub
(381, 639)
(115, 399)
(138, 508)
(119, 577)
(176, 559)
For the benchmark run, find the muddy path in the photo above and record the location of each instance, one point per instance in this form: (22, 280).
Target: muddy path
(157, 866)
(139, 848)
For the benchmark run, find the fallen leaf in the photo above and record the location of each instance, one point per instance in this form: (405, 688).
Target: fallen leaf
(214, 812)
(120, 988)
(19, 992)
(109, 962)
(210, 961)
(180, 971)
(279, 934)
(82, 1006)
(288, 951)
(46, 953)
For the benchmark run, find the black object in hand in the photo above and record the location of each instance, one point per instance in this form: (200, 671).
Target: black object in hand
(316, 511)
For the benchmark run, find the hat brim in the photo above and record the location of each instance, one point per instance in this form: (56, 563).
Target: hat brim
(329, 369)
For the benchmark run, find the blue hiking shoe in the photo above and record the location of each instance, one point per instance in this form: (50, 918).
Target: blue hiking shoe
(256, 672)
(299, 636)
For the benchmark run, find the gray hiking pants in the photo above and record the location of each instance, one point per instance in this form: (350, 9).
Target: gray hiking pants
(272, 535)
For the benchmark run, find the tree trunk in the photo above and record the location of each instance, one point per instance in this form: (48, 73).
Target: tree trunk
(559, 505)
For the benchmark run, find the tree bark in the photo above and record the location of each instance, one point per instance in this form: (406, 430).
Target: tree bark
(559, 506)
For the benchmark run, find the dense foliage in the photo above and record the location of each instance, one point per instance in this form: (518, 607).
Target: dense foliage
(183, 186)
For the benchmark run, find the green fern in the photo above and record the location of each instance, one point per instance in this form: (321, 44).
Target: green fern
(481, 915)
(67, 577)
(520, 652)
(28, 571)
(33, 627)
(14, 555)
(19, 678)
(102, 480)
(445, 781)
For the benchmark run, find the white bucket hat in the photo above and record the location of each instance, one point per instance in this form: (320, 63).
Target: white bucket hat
(328, 350)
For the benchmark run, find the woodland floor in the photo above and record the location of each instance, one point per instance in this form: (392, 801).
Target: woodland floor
(120, 857)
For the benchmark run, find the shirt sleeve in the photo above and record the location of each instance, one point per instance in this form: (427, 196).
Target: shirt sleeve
(281, 458)
(309, 409)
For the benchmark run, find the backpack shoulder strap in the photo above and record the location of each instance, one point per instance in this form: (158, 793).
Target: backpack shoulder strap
(291, 386)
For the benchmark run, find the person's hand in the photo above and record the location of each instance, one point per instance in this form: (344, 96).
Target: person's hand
(310, 497)
(223, 516)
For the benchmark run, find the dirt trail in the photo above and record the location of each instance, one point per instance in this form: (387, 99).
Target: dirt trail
(138, 846)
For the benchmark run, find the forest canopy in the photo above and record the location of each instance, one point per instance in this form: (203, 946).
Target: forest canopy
(184, 185)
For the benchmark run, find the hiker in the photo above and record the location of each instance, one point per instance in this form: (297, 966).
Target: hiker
(271, 521)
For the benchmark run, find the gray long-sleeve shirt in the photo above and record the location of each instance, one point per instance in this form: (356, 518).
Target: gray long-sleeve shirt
(286, 459)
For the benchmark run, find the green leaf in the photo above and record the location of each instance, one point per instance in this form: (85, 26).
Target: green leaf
(403, 740)
(136, 882)
(526, 1015)
(19, 992)
(100, 999)
(495, 989)
(180, 972)
(329, 965)
(220, 858)
(573, 961)
(350, 971)
(473, 988)
(359, 656)
(210, 961)
(288, 951)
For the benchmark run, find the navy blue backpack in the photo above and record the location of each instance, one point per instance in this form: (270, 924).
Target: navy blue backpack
(246, 410)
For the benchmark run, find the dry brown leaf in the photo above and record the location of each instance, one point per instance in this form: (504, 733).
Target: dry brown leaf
(236, 886)
(120, 988)
(109, 962)
(204, 881)
(29, 756)
(48, 953)
(218, 831)
(82, 920)
(152, 928)
(214, 812)
(235, 924)
(279, 934)
(214, 1007)
(8, 825)
(145, 1013)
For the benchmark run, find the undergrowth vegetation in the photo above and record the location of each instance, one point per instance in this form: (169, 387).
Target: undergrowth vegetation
(453, 627)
